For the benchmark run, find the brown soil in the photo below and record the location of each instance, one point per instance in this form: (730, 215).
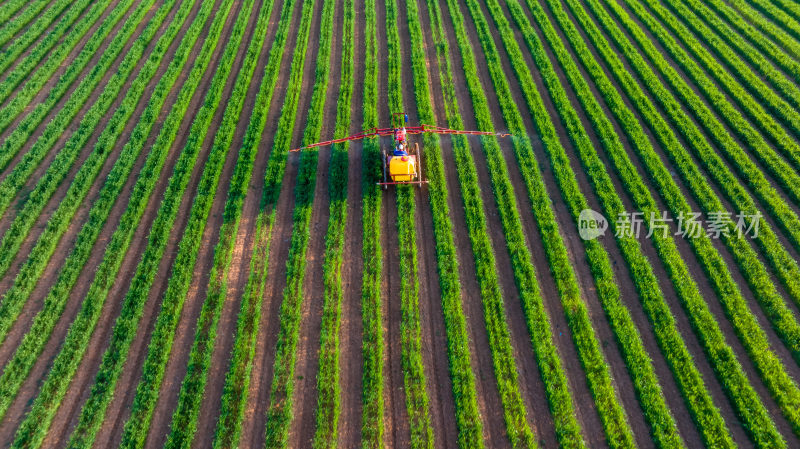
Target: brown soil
(240, 264)
(351, 356)
(304, 421)
(261, 378)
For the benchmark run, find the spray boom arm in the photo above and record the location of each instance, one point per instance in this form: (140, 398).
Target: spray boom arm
(380, 132)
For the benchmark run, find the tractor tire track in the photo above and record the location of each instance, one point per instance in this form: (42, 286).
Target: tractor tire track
(397, 431)
(185, 330)
(255, 414)
(239, 267)
(436, 365)
(351, 362)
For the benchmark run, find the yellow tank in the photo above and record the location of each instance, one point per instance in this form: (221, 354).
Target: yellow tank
(403, 168)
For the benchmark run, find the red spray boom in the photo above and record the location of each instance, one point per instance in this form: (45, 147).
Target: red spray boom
(380, 132)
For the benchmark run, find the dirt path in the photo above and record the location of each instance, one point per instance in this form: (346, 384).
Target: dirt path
(42, 366)
(351, 357)
(240, 263)
(435, 361)
(396, 421)
(261, 378)
(304, 422)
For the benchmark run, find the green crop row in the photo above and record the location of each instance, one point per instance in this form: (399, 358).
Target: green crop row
(417, 402)
(784, 173)
(328, 386)
(184, 419)
(21, 71)
(758, 62)
(10, 53)
(789, 7)
(561, 405)
(126, 325)
(9, 28)
(618, 432)
(9, 9)
(770, 29)
(645, 381)
(26, 279)
(779, 16)
(786, 218)
(752, 336)
(754, 271)
(372, 252)
(706, 416)
(33, 342)
(783, 264)
(740, 392)
(518, 429)
(280, 413)
(468, 420)
(781, 261)
(137, 426)
(10, 186)
(35, 425)
(744, 98)
(237, 380)
(755, 38)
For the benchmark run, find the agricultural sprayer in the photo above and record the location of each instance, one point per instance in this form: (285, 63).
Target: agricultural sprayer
(402, 164)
